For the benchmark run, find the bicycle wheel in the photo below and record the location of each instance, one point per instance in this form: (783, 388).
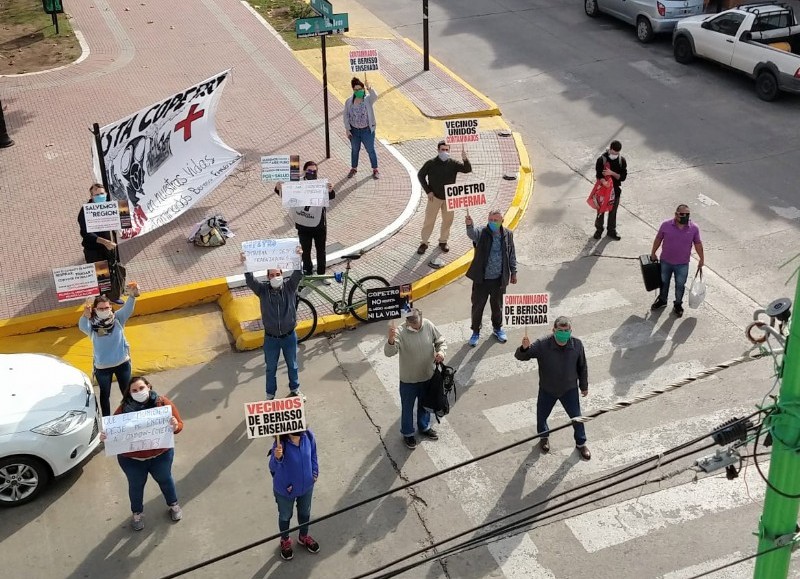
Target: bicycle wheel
(306, 319)
(358, 295)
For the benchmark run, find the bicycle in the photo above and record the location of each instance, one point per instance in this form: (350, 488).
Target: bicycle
(355, 304)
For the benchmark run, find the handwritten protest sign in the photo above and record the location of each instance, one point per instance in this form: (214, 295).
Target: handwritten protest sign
(77, 282)
(312, 193)
(388, 303)
(271, 254)
(144, 430)
(460, 196)
(275, 417)
(275, 168)
(526, 309)
(102, 216)
(364, 60)
(461, 131)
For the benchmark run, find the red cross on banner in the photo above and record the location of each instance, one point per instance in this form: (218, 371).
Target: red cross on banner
(186, 124)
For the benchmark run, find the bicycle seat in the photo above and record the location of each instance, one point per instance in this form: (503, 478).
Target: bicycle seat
(352, 257)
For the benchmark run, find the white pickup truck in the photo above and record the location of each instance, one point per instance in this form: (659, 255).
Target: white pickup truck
(761, 40)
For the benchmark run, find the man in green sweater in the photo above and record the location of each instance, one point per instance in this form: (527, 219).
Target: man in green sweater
(420, 346)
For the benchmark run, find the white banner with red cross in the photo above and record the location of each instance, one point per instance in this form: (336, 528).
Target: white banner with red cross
(168, 156)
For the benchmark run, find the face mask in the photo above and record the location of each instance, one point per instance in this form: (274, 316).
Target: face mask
(276, 282)
(444, 155)
(359, 94)
(103, 314)
(410, 328)
(141, 395)
(311, 175)
(99, 198)
(683, 219)
(562, 336)
(613, 156)
(494, 227)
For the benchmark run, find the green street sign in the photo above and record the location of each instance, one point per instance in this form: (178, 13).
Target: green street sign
(310, 27)
(52, 6)
(323, 8)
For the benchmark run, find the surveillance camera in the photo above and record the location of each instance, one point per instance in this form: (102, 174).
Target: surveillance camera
(780, 309)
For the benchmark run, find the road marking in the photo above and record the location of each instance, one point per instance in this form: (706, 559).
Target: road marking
(470, 485)
(786, 212)
(738, 571)
(517, 415)
(650, 70)
(707, 201)
(634, 518)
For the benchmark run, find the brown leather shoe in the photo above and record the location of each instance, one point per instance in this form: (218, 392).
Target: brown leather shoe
(423, 247)
(585, 454)
(444, 247)
(544, 445)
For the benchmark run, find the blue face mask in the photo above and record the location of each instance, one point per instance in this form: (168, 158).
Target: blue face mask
(99, 198)
(494, 227)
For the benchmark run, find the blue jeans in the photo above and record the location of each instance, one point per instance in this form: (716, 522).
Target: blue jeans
(104, 376)
(367, 137)
(159, 467)
(285, 508)
(681, 273)
(272, 353)
(572, 405)
(411, 392)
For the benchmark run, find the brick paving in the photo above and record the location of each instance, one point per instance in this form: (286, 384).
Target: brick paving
(435, 93)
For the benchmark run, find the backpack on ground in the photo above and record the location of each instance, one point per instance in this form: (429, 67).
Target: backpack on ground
(440, 391)
(212, 232)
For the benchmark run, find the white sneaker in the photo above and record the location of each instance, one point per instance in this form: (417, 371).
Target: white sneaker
(175, 513)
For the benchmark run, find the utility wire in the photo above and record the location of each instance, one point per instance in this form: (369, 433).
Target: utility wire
(742, 560)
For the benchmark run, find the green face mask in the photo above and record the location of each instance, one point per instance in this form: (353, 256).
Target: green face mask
(359, 94)
(562, 336)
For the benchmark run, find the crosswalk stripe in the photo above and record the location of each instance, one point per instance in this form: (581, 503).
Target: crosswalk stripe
(738, 571)
(470, 485)
(634, 518)
(517, 415)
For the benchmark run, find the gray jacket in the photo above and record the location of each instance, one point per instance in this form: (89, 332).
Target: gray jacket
(369, 99)
(561, 368)
(278, 306)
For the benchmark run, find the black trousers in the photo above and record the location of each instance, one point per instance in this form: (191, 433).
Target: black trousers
(317, 237)
(612, 216)
(99, 254)
(492, 290)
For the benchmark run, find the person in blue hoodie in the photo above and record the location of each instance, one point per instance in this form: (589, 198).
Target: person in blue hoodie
(111, 351)
(294, 469)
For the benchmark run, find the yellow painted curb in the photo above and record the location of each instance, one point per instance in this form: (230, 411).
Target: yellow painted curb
(493, 109)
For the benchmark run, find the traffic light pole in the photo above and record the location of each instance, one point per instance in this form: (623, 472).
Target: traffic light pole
(779, 519)
(426, 65)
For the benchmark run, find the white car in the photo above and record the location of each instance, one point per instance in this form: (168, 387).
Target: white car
(49, 423)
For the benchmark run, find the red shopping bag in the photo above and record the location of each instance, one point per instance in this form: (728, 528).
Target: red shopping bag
(601, 199)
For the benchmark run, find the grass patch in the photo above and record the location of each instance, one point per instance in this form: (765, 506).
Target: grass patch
(28, 39)
(281, 14)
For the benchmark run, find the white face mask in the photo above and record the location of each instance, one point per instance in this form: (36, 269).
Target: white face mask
(103, 314)
(613, 156)
(276, 282)
(444, 155)
(141, 395)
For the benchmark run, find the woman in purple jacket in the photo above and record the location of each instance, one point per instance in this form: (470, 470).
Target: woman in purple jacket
(294, 469)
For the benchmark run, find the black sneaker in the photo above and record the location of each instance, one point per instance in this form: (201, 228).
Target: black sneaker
(411, 442)
(658, 304)
(598, 234)
(430, 434)
(286, 550)
(615, 236)
(678, 310)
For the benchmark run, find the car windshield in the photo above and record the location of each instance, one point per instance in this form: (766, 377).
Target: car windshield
(727, 23)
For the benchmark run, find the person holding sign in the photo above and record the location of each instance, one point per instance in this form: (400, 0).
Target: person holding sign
(294, 469)
(312, 225)
(110, 349)
(421, 346)
(278, 299)
(97, 246)
(493, 267)
(157, 462)
(434, 175)
(359, 123)
(562, 372)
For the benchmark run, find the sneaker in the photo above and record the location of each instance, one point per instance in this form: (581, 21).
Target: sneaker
(473, 339)
(658, 304)
(678, 310)
(137, 522)
(423, 247)
(411, 442)
(311, 544)
(585, 454)
(500, 334)
(175, 513)
(444, 247)
(615, 236)
(270, 397)
(598, 234)
(286, 549)
(430, 434)
(375, 174)
(544, 445)
(352, 173)
(297, 393)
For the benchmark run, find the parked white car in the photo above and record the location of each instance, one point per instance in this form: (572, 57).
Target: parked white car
(650, 17)
(49, 423)
(762, 40)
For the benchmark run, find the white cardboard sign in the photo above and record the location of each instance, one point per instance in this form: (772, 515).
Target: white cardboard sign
(263, 254)
(144, 430)
(313, 193)
(102, 216)
(521, 310)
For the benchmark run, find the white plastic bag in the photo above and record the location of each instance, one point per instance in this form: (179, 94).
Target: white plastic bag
(697, 293)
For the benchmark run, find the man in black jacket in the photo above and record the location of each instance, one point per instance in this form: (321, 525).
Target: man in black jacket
(493, 267)
(617, 170)
(562, 372)
(434, 175)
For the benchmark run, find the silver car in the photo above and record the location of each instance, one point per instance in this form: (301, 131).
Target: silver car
(650, 17)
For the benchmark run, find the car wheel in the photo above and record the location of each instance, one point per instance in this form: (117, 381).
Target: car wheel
(766, 86)
(683, 50)
(590, 6)
(644, 30)
(22, 478)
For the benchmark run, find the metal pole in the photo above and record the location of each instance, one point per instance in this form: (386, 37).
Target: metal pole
(104, 177)
(5, 140)
(426, 65)
(55, 21)
(779, 518)
(325, 100)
